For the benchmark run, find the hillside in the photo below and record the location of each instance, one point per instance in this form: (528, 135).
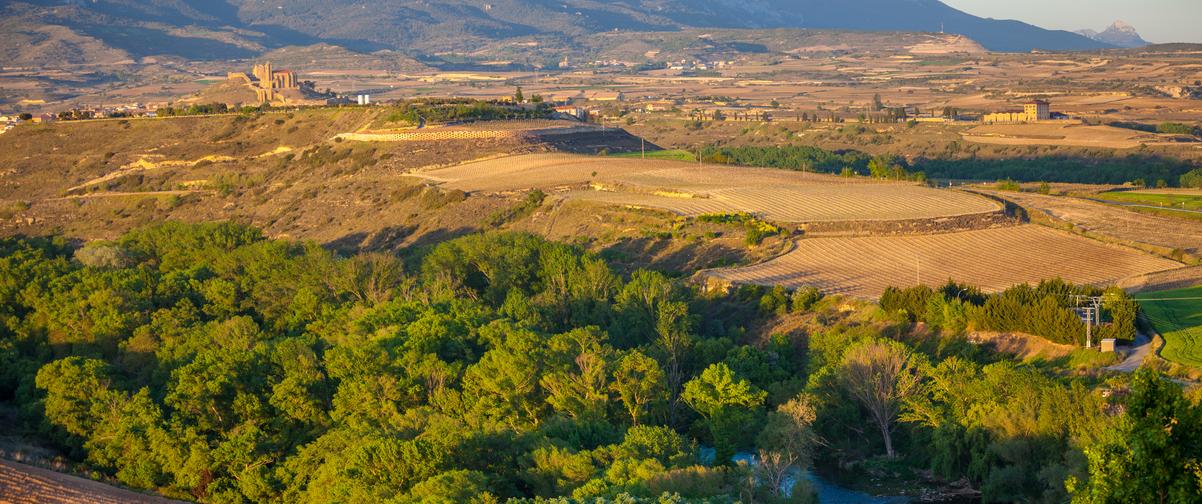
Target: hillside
(205, 30)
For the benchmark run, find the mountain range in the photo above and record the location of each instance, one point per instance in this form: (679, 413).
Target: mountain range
(1118, 34)
(227, 29)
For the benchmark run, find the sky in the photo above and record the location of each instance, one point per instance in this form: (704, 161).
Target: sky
(1158, 21)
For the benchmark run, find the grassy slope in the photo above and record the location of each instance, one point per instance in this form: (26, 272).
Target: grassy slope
(1177, 315)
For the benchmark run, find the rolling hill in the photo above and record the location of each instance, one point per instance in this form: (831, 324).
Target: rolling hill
(230, 29)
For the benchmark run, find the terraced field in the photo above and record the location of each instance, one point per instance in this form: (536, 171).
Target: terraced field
(993, 259)
(22, 484)
(691, 189)
(1177, 315)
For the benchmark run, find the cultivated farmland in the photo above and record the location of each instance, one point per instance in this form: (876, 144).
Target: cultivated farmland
(691, 189)
(1075, 135)
(1177, 315)
(993, 259)
(22, 484)
(1113, 221)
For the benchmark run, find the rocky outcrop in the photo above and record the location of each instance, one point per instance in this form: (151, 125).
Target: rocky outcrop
(1187, 92)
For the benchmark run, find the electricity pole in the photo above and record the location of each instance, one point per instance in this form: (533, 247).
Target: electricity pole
(1093, 314)
(1089, 317)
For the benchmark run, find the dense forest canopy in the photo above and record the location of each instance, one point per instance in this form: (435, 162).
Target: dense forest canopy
(210, 363)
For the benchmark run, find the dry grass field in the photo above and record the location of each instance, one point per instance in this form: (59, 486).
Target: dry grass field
(1113, 221)
(993, 259)
(691, 189)
(23, 484)
(1074, 135)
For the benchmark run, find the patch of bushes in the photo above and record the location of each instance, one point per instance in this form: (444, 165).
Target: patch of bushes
(1172, 128)
(534, 199)
(757, 230)
(433, 198)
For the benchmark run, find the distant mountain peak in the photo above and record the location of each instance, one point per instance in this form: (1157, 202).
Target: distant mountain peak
(1122, 26)
(1120, 33)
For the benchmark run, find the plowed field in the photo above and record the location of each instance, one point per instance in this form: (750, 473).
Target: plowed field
(993, 259)
(1114, 221)
(22, 484)
(691, 189)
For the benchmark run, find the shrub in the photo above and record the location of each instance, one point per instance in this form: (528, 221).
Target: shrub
(534, 199)
(805, 298)
(1173, 128)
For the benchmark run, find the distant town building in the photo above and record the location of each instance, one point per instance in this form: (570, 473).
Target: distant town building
(268, 82)
(605, 96)
(363, 99)
(1033, 112)
(579, 113)
(1039, 109)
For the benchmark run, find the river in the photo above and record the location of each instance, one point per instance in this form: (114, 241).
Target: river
(828, 492)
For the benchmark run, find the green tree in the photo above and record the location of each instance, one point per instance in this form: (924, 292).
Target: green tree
(504, 384)
(673, 326)
(1153, 455)
(639, 383)
(727, 404)
(452, 487)
(578, 385)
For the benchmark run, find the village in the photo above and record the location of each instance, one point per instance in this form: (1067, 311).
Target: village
(273, 87)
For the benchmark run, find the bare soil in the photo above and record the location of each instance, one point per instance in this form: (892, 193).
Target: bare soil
(23, 484)
(993, 259)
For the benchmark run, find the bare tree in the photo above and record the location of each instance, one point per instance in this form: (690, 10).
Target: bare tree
(880, 375)
(787, 441)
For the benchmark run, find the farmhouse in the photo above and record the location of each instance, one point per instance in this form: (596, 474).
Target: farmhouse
(1033, 112)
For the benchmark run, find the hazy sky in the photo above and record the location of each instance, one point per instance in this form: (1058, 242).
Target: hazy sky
(1157, 20)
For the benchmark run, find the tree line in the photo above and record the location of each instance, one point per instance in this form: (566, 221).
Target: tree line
(1161, 171)
(1049, 310)
(814, 159)
(454, 109)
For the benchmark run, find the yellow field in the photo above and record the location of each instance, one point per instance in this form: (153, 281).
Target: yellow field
(992, 259)
(691, 189)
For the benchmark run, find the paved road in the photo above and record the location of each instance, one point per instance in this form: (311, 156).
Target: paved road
(1138, 352)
